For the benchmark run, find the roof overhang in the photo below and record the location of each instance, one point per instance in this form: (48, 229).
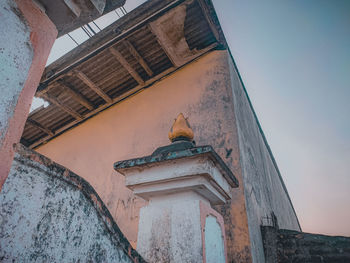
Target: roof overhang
(131, 54)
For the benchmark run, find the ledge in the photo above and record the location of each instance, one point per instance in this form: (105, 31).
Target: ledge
(35, 160)
(178, 151)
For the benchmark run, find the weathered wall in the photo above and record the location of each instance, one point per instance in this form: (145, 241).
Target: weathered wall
(49, 214)
(26, 38)
(264, 189)
(291, 246)
(138, 125)
(210, 93)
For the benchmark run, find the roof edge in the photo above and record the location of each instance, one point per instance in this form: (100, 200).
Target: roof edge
(110, 35)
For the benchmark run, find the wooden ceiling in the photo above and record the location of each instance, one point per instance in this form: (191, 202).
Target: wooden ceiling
(142, 47)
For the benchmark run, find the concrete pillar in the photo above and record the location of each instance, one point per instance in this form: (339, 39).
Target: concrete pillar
(181, 183)
(26, 38)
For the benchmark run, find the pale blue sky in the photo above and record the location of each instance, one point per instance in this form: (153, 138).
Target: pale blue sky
(294, 58)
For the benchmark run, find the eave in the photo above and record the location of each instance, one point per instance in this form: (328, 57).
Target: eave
(147, 44)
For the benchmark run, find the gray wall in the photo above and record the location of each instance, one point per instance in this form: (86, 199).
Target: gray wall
(47, 213)
(264, 189)
(287, 246)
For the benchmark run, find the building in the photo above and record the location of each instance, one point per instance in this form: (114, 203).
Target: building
(115, 97)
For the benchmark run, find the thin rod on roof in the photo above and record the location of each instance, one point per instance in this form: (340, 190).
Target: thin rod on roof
(123, 9)
(73, 39)
(93, 31)
(86, 31)
(117, 13)
(96, 25)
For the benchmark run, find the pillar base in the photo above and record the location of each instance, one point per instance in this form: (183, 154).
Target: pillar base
(181, 228)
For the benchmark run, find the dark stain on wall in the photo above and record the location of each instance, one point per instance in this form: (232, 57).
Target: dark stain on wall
(286, 246)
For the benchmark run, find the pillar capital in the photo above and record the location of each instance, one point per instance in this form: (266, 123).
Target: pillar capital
(179, 167)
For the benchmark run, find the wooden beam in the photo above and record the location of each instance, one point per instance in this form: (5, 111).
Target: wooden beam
(76, 95)
(59, 104)
(93, 86)
(138, 57)
(41, 91)
(40, 127)
(105, 106)
(126, 65)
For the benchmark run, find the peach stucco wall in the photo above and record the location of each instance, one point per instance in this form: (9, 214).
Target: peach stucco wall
(138, 125)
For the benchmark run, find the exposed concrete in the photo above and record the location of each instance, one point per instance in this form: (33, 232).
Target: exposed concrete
(49, 214)
(26, 38)
(292, 246)
(264, 189)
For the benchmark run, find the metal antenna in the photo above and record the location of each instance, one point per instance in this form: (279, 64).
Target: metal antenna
(93, 31)
(117, 13)
(73, 39)
(96, 25)
(86, 31)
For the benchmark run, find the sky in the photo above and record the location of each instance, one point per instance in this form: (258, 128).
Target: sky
(294, 59)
